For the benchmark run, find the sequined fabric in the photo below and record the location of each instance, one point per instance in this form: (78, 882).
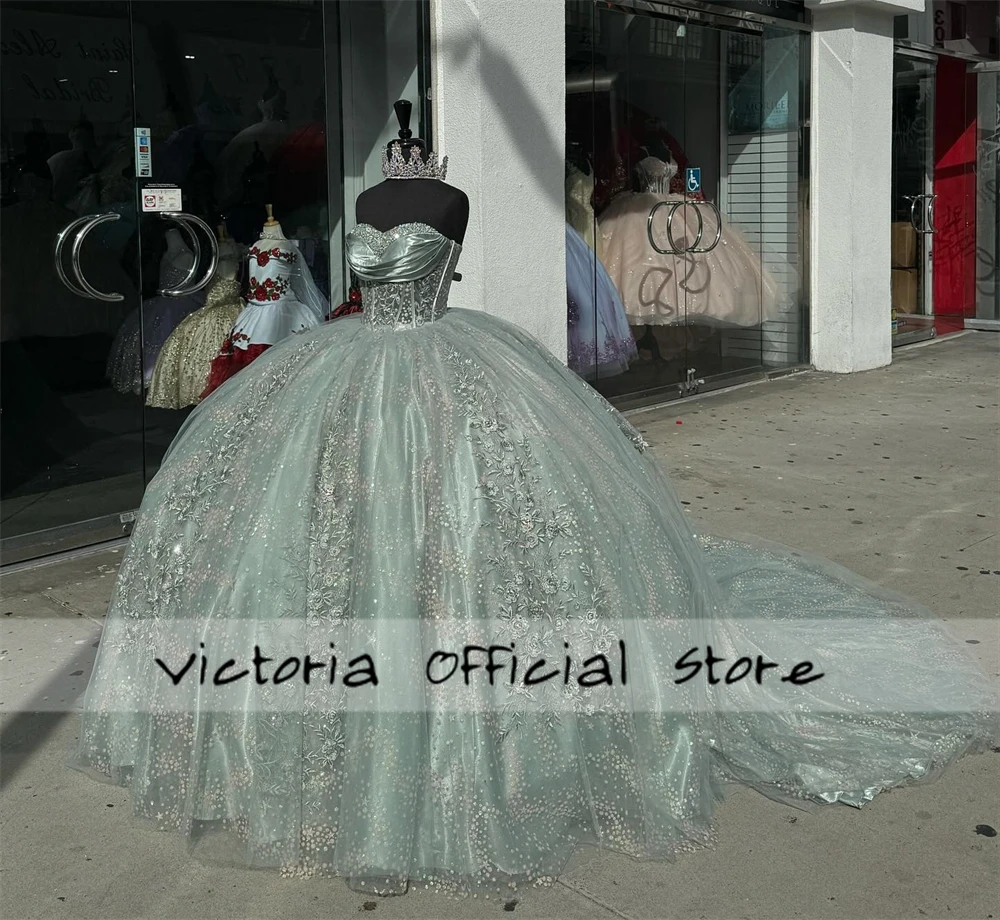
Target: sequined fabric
(405, 273)
(182, 366)
(141, 336)
(371, 473)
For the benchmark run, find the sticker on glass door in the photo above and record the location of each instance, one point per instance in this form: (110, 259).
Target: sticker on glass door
(143, 154)
(161, 198)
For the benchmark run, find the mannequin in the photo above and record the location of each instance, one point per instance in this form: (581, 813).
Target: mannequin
(428, 201)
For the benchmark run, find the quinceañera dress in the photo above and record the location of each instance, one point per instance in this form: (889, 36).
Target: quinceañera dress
(282, 300)
(724, 286)
(599, 341)
(182, 368)
(143, 333)
(397, 477)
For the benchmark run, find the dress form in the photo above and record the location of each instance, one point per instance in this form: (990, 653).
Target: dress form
(176, 261)
(423, 200)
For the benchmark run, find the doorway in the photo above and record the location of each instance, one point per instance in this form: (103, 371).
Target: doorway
(135, 136)
(687, 165)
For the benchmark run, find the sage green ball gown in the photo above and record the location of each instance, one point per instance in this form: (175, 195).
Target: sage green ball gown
(420, 465)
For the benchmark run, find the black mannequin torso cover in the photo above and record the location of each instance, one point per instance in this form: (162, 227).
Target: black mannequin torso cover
(406, 196)
(426, 201)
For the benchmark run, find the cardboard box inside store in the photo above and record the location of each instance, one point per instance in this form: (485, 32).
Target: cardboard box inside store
(905, 289)
(904, 245)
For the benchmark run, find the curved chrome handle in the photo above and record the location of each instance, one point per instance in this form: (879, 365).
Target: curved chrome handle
(61, 239)
(74, 256)
(913, 199)
(189, 222)
(718, 227)
(182, 289)
(649, 226)
(929, 214)
(676, 250)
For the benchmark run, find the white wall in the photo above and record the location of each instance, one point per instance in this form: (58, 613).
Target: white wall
(851, 184)
(498, 89)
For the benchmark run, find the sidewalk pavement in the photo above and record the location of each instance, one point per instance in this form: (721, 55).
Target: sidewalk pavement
(893, 473)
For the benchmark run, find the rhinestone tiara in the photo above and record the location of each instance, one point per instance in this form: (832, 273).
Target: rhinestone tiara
(416, 167)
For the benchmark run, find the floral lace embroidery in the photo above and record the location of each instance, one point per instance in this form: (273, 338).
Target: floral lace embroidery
(263, 256)
(539, 535)
(628, 429)
(268, 289)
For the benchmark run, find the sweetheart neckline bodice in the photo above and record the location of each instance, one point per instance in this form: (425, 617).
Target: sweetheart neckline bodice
(404, 273)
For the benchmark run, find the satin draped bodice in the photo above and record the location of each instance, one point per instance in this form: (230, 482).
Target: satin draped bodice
(404, 273)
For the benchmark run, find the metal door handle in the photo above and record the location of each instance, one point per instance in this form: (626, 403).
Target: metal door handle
(74, 257)
(929, 214)
(718, 228)
(926, 203)
(61, 239)
(191, 223)
(674, 205)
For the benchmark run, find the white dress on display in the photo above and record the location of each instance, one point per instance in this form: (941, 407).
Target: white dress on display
(282, 300)
(724, 287)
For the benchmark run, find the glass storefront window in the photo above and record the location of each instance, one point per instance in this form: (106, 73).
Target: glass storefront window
(988, 197)
(211, 111)
(686, 199)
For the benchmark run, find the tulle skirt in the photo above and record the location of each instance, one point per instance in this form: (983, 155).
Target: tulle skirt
(184, 362)
(727, 286)
(600, 342)
(385, 491)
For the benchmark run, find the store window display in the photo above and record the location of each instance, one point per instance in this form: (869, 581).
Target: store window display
(684, 165)
(143, 333)
(420, 472)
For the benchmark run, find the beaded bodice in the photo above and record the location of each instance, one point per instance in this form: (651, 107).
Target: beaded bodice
(405, 273)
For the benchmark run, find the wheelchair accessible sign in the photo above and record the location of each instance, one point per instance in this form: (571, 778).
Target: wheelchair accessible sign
(692, 179)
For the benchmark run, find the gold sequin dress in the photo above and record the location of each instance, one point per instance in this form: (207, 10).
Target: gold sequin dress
(183, 363)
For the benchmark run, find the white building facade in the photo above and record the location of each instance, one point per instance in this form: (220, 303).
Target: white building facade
(816, 129)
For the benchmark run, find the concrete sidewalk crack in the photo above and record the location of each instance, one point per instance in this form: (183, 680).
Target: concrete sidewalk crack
(580, 890)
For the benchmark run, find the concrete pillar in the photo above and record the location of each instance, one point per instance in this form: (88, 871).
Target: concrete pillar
(851, 138)
(498, 90)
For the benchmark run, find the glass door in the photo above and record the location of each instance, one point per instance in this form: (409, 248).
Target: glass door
(73, 463)
(139, 140)
(141, 146)
(913, 224)
(693, 130)
(232, 102)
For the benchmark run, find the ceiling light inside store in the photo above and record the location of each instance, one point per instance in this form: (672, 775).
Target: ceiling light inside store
(188, 57)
